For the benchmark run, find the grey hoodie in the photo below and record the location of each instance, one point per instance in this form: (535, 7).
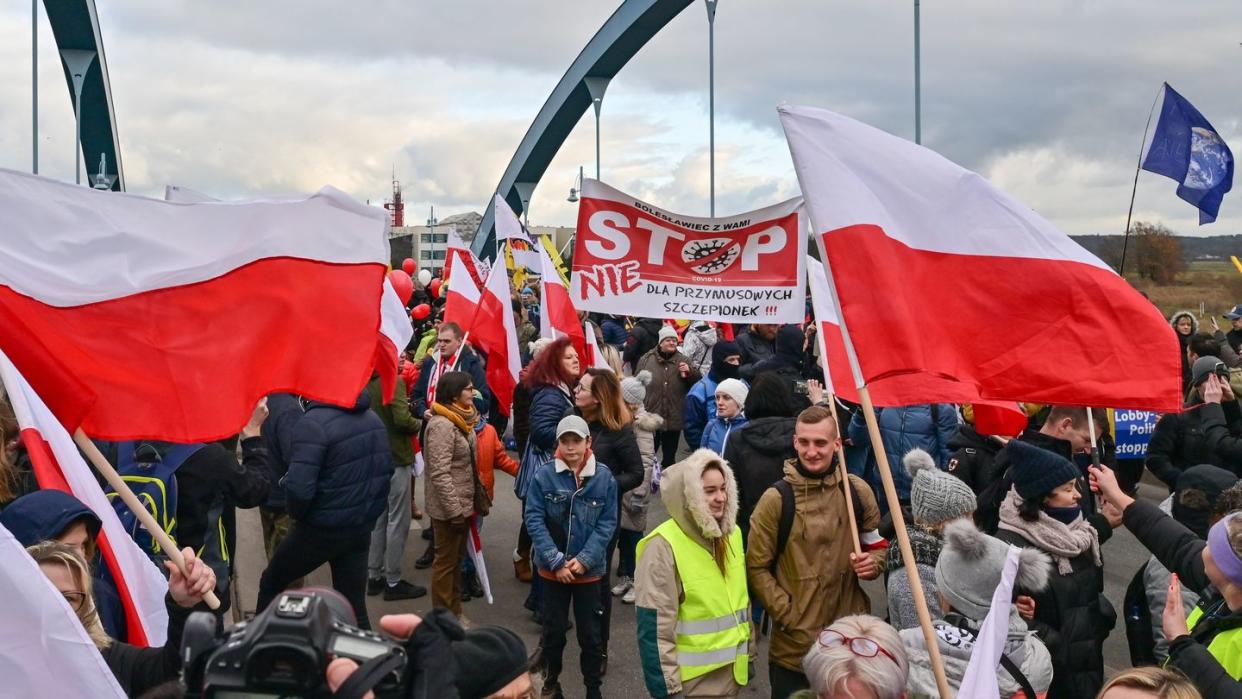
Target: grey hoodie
(1022, 647)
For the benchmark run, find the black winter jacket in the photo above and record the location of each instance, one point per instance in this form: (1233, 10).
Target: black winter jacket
(341, 466)
(754, 348)
(790, 362)
(644, 336)
(1181, 551)
(548, 404)
(140, 669)
(211, 471)
(1069, 618)
(973, 456)
(618, 450)
(1180, 441)
(284, 411)
(757, 453)
(468, 362)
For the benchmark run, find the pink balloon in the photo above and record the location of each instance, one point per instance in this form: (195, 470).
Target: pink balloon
(402, 284)
(408, 265)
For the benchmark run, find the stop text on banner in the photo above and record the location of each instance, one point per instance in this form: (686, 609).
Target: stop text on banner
(632, 258)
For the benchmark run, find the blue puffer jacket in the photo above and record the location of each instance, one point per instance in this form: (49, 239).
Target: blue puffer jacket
(548, 404)
(902, 429)
(698, 409)
(43, 516)
(340, 468)
(284, 411)
(568, 521)
(717, 432)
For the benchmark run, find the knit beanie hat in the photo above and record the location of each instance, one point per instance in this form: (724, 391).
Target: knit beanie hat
(734, 389)
(666, 332)
(936, 496)
(488, 658)
(970, 566)
(1037, 472)
(634, 388)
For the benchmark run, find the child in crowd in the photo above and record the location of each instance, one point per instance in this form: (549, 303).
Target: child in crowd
(571, 513)
(730, 415)
(634, 503)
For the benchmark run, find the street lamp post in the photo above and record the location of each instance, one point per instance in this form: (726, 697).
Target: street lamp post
(78, 62)
(711, 98)
(34, 83)
(918, 84)
(575, 191)
(431, 237)
(102, 180)
(596, 88)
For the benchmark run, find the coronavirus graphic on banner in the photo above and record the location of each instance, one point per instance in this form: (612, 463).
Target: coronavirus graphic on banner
(631, 258)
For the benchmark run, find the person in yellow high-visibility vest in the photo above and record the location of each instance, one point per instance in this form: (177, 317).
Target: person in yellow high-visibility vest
(690, 586)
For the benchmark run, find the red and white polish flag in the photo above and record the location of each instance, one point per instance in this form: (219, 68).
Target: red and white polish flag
(44, 650)
(459, 251)
(461, 301)
(594, 355)
(474, 548)
(139, 318)
(557, 315)
(955, 292)
(58, 465)
(494, 332)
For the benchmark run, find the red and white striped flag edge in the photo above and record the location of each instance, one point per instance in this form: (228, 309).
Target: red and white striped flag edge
(44, 649)
(955, 292)
(140, 318)
(493, 331)
(594, 355)
(474, 547)
(458, 250)
(461, 301)
(57, 464)
(558, 317)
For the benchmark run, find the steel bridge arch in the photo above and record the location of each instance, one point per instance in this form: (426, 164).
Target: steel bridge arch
(621, 37)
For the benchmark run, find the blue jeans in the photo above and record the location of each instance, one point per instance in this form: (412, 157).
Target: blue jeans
(627, 552)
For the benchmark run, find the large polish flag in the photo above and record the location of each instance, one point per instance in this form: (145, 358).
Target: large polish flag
(953, 291)
(494, 332)
(139, 318)
(44, 650)
(557, 315)
(57, 464)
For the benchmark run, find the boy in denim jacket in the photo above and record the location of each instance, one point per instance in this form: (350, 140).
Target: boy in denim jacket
(571, 513)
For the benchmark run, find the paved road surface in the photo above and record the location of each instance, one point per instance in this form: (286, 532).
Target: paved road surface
(1123, 555)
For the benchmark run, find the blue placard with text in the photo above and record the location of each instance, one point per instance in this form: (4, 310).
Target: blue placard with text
(1133, 430)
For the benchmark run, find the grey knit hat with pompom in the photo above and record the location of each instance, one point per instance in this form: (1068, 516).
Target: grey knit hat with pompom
(936, 496)
(634, 388)
(970, 567)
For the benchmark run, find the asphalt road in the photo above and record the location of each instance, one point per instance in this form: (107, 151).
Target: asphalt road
(1123, 555)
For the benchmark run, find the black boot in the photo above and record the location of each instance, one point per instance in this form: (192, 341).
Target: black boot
(474, 587)
(424, 561)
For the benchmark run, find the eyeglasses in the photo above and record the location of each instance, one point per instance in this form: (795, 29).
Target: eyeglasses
(75, 600)
(580, 387)
(862, 647)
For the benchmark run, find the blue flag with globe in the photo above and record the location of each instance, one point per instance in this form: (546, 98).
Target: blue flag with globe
(1188, 150)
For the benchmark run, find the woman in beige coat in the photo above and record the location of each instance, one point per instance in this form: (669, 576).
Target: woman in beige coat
(449, 449)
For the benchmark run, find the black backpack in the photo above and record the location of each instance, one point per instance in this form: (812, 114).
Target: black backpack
(1139, 635)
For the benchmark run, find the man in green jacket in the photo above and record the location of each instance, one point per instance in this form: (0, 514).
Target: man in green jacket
(390, 532)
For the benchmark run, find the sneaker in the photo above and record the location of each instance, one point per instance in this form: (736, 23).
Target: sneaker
(403, 590)
(624, 585)
(374, 586)
(628, 597)
(474, 586)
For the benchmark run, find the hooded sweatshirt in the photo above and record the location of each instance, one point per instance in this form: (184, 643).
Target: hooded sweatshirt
(43, 516)
(658, 587)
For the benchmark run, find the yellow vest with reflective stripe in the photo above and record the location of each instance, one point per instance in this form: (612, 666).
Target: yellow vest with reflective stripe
(713, 622)
(1226, 647)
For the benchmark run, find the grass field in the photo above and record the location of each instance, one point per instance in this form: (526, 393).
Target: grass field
(1216, 285)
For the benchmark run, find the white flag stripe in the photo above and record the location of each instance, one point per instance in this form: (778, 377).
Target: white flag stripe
(843, 163)
(394, 323)
(821, 304)
(109, 245)
(147, 585)
(508, 227)
(476, 555)
(980, 678)
(44, 650)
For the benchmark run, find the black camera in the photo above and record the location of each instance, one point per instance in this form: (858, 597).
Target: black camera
(284, 651)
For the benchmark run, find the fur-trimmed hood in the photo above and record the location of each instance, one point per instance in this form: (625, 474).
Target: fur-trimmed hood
(1194, 321)
(647, 422)
(681, 489)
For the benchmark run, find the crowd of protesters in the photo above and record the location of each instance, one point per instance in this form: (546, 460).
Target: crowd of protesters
(763, 477)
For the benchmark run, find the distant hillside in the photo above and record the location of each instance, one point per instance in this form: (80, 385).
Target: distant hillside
(1218, 247)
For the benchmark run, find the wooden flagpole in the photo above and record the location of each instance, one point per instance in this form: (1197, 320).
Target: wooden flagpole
(890, 493)
(845, 475)
(157, 532)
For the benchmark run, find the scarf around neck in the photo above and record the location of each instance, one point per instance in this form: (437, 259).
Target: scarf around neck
(463, 418)
(1061, 541)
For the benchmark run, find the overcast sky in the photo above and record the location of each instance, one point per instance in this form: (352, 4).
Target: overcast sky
(236, 98)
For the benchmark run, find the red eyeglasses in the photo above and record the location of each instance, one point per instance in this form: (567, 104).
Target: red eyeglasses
(862, 647)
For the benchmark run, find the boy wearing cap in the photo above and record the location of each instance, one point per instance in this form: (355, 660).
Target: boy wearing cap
(571, 513)
(730, 415)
